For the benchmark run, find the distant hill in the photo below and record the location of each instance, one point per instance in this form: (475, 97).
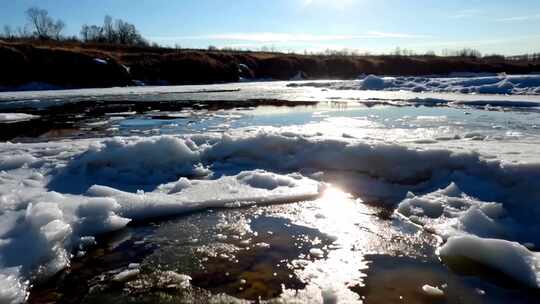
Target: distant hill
(54, 64)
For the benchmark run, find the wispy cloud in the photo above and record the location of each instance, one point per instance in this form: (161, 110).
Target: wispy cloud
(467, 13)
(269, 37)
(479, 43)
(518, 18)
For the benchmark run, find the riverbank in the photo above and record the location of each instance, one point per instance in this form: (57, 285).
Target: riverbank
(38, 65)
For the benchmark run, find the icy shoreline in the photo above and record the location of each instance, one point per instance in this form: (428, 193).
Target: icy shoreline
(494, 84)
(49, 198)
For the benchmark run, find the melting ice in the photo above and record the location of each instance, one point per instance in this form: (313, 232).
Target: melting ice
(471, 176)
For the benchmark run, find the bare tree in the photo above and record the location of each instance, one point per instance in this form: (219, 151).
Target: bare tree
(92, 33)
(44, 26)
(113, 31)
(8, 32)
(108, 29)
(23, 31)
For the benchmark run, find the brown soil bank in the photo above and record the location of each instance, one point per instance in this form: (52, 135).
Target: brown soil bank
(72, 64)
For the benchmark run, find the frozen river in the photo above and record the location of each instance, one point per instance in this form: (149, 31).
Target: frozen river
(377, 190)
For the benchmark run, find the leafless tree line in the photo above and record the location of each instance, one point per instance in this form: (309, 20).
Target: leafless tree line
(40, 25)
(113, 31)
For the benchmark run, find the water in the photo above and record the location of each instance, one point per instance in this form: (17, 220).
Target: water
(345, 245)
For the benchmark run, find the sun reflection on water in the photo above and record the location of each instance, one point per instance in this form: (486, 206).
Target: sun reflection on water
(338, 215)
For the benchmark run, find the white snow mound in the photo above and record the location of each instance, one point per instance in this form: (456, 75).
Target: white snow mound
(510, 258)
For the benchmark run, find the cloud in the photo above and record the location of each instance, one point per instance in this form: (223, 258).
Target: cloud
(479, 43)
(269, 37)
(467, 13)
(518, 18)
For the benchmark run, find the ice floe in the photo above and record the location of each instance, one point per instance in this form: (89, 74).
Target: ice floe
(510, 258)
(489, 233)
(495, 84)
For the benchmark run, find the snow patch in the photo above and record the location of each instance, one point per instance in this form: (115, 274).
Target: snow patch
(16, 117)
(479, 84)
(510, 258)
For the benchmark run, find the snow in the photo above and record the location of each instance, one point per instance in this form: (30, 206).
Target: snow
(202, 194)
(100, 61)
(53, 224)
(510, 258)
(432, 291)
(480, 231)
(314, 91)
(16, 117)
(495, 84)
(12, 290)
(265, 180)
(372, 82)
(126, 275)
(54, 197)
(461, 84)
(316, 252)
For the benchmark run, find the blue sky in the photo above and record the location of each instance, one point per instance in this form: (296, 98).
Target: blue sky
(492, 26)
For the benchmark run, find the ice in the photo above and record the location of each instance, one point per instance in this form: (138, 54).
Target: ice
(316, 252)
(203, 194)
(510, 258)
(432, 291)
(176, 279)
(372, 82)
(55, 196)
(462, 84)
(100, 61)
(265, 180)
(16, 117)
(484, 232)
(450, 212)
(12, 289)
(16, 161)
(55, 224)
(126, 275)
(154, 160)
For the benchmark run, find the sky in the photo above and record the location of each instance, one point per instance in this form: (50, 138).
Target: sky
(375, 26)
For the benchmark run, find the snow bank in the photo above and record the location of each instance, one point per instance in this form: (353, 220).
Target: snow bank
(52, 225)
(480, 231)
(227, 191)
(480, 84)
(150, 161)
(510, 258)
(451, 212)
(16, 117)
(49, 226)
(372, 82)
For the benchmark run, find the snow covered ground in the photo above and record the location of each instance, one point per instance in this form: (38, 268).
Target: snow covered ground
(469, 175)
